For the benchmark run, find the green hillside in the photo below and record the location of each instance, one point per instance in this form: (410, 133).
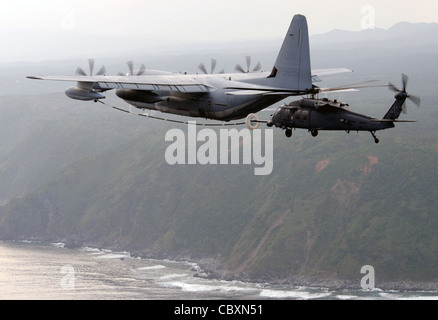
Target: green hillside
(330, 206)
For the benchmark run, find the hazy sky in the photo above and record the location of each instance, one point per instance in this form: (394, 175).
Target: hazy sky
(56, 29)
(208, 19)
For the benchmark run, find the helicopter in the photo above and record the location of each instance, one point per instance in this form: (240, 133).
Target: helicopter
(324, 114)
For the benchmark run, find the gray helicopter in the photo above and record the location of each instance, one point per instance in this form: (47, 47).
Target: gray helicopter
(324, 114)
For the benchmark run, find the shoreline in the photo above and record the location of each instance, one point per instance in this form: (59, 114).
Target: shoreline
(212, 269)
(218, 273)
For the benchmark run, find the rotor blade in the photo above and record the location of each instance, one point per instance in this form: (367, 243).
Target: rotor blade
(202, 68)
(351, 88)
(142, 70)
(415, 99)
(404, 109)
(213, 65)
(80, 71)
(393, 87)
(131, 67)
(354, 85)
(258, 67)
(102, 71)
(91, 63)
(239, 68)
(248, 63)
(405, 80)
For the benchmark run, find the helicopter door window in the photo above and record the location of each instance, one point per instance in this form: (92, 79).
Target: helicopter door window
(287, 114)
(298, 115)
(305, 115)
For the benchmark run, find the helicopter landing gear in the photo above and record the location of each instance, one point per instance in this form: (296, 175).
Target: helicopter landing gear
(288, 132)
(314, 132)
(376, 140)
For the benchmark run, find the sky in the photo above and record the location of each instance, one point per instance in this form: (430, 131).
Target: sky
(204, 19)
(200, 21)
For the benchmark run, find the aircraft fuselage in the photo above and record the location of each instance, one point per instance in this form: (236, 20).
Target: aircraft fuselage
(217, 104)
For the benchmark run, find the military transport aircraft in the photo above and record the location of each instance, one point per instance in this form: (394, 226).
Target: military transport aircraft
(323, 114)
(221, 96)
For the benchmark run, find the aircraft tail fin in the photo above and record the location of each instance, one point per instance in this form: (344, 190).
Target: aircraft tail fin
(292, 69)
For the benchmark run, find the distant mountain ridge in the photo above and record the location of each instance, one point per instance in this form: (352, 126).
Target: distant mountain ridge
(401, 35)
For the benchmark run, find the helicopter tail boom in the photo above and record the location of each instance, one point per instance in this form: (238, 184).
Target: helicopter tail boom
(397, 108)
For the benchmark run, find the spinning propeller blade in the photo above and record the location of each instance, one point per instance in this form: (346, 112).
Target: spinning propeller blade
(240, 69)
(81, 72)
(131, 67)
(91, 63)
(203, 69)
(132, 72)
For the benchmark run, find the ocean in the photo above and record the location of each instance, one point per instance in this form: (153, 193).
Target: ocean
(38, 271)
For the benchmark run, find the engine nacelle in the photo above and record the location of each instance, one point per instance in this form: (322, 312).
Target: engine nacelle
(138, 96)
(83, 94)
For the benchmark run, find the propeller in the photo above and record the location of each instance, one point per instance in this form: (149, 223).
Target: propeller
(239, 68)
(81, 72)
(130, 64)
(415, 99)
(203, 69)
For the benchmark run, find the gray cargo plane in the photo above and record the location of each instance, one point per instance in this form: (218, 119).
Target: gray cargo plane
(221, 96)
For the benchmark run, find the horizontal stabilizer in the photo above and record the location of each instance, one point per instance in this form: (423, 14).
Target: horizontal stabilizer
(328, 72)
(389, 120)
(247, 93)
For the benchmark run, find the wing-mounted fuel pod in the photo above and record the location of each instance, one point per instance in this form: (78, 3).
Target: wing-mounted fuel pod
(84, 92)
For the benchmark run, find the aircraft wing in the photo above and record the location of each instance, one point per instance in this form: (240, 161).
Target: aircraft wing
(147, 83)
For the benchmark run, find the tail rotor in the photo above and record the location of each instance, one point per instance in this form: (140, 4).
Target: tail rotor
(403, 94)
